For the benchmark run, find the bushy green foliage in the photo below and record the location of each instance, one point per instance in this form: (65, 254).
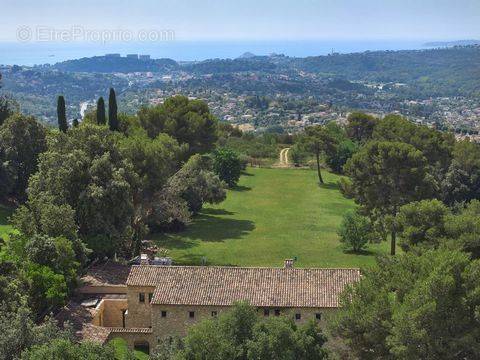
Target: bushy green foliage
(188, 121)
(436, 146)
(414, 307)
(462, 180)
(19, 332)
(226, 164)
(154, 160)
(385, 176)
(355, 231)
(430, 224)
(22, 139)
(67, 350)
(184, 195)
(360, 126)
(422, 223)
(8, 107)
(84, 170)
(255, 147)
(241, 334)
(463, 228)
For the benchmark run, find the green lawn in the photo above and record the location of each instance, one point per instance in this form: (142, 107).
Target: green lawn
(274, 214)
(121, 350)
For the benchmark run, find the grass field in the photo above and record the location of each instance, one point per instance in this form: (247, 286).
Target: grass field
(121, 350)
(272, 215)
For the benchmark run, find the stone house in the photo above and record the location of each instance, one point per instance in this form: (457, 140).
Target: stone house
(162, 301)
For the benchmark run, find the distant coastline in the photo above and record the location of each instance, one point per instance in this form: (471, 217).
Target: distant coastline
(28, 54)
(452, 43)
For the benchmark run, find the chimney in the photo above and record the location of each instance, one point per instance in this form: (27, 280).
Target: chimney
(144, 259)
(288, 263)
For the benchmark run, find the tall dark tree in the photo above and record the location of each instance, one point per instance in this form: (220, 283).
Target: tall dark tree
(320, 141)
(101, 118)
(360, 126)
(387, 175)
(112, 111)
(62, 114)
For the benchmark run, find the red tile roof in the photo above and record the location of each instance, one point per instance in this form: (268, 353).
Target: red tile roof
(266, 287)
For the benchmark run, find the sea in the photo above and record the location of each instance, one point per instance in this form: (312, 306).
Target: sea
(38, 53)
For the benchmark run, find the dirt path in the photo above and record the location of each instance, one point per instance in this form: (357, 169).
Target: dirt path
(283, 161)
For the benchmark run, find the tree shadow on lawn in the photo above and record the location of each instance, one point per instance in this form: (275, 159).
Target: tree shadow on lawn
(198, 259)
(329, 186)
(211, 211)
(363, 252)
(209, 228)
(241, 188)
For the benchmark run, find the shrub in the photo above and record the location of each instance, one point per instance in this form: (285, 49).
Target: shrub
(227, 165)
(354, 231)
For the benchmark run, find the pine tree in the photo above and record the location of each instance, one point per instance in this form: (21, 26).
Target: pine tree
(75, 123)
(62, 114)
(112, 111)
(101, 119)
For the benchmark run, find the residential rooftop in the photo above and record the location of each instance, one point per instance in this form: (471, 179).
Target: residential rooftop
(262, 287)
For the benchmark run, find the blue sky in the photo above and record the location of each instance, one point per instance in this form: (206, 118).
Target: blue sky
(255, 19)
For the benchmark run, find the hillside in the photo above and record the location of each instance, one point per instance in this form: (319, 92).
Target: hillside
(273, 214)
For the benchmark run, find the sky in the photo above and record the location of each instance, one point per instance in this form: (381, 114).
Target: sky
(253, 19)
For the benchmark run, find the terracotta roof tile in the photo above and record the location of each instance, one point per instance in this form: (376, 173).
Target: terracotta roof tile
(269, 287)
(131, 330)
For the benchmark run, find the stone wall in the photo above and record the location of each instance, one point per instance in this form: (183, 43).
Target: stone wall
(139, 314)
(109, 313)
(177, 317)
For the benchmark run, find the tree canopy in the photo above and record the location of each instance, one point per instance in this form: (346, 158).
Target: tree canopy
(188, 121)
(387, 175)
(22, 140)
(414, 307)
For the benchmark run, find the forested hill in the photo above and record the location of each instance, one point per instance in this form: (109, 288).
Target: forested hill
(107, 64)
(439, 72)
(444, 72)
(403, 65)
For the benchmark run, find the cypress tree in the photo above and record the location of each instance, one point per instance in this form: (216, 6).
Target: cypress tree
(75, 122)
(112, 111)
(62, 114)
(101, 119)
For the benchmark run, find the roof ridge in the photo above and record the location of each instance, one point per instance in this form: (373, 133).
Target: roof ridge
(242, 267)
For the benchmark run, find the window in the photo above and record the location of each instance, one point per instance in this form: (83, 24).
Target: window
(277, 312)
(141, 297)
(266, 312)
(191, 314)
(298, 316)
(164, 313)
(214, 313)
(150, 297)
(318, 316)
